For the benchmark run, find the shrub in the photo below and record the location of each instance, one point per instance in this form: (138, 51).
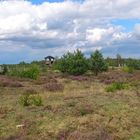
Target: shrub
(54, 86)
(36, 100)
(97, 63)
(116, 86)
(31, 71)
(73, 63)
(133, 63)
(8, 82)
(41, 64)
(27, 99)
(128, 69)
(31, 91)
(83, 109)
(79, 78)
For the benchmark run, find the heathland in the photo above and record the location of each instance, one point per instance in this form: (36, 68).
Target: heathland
(70, 102)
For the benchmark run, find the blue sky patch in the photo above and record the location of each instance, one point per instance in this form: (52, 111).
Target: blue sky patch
(41, 1)
(128, 24)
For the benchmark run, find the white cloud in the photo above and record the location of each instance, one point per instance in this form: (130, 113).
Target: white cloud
(98, 34)
(106, 36)
(137, 29)
(68, 25)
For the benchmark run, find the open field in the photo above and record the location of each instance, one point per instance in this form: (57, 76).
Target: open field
(73, 108)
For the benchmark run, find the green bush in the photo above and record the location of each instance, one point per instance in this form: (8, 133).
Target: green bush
(30, 71)
(42, 65)
(27, 99)
(36, 100)
(128, 69)
(116, 86)
(73, 63)
(133, 63)
(24, 100)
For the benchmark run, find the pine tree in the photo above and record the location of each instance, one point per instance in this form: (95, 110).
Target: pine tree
(97, 63)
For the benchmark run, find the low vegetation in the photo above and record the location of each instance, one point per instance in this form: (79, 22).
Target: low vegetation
(65, 102)
(27, 100)
(23, 71)
(9, 82)
(117, 86)
(128, 69)
(54, 86)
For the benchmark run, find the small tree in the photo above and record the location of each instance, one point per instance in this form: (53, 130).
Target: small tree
(73, 63)
(97, 63)
(119, 60)
(79, 64)
(5, 69)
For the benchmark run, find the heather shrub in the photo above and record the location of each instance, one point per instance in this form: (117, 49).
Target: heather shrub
(54, 86)
(81, 111)
(116, 86)
(31, 91)
(10, 84)
(7, 82)
(79, 78)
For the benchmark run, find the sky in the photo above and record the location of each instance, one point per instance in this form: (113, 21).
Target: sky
(33, 29)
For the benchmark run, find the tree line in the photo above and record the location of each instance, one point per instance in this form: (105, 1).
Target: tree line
(74, 63)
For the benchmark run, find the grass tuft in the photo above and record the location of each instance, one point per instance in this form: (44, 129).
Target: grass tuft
(116, 86)
(27, 99)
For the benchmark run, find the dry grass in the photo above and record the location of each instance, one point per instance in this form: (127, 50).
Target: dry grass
(79, 110)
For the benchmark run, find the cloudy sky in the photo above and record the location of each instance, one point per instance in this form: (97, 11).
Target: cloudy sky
(33, 29)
